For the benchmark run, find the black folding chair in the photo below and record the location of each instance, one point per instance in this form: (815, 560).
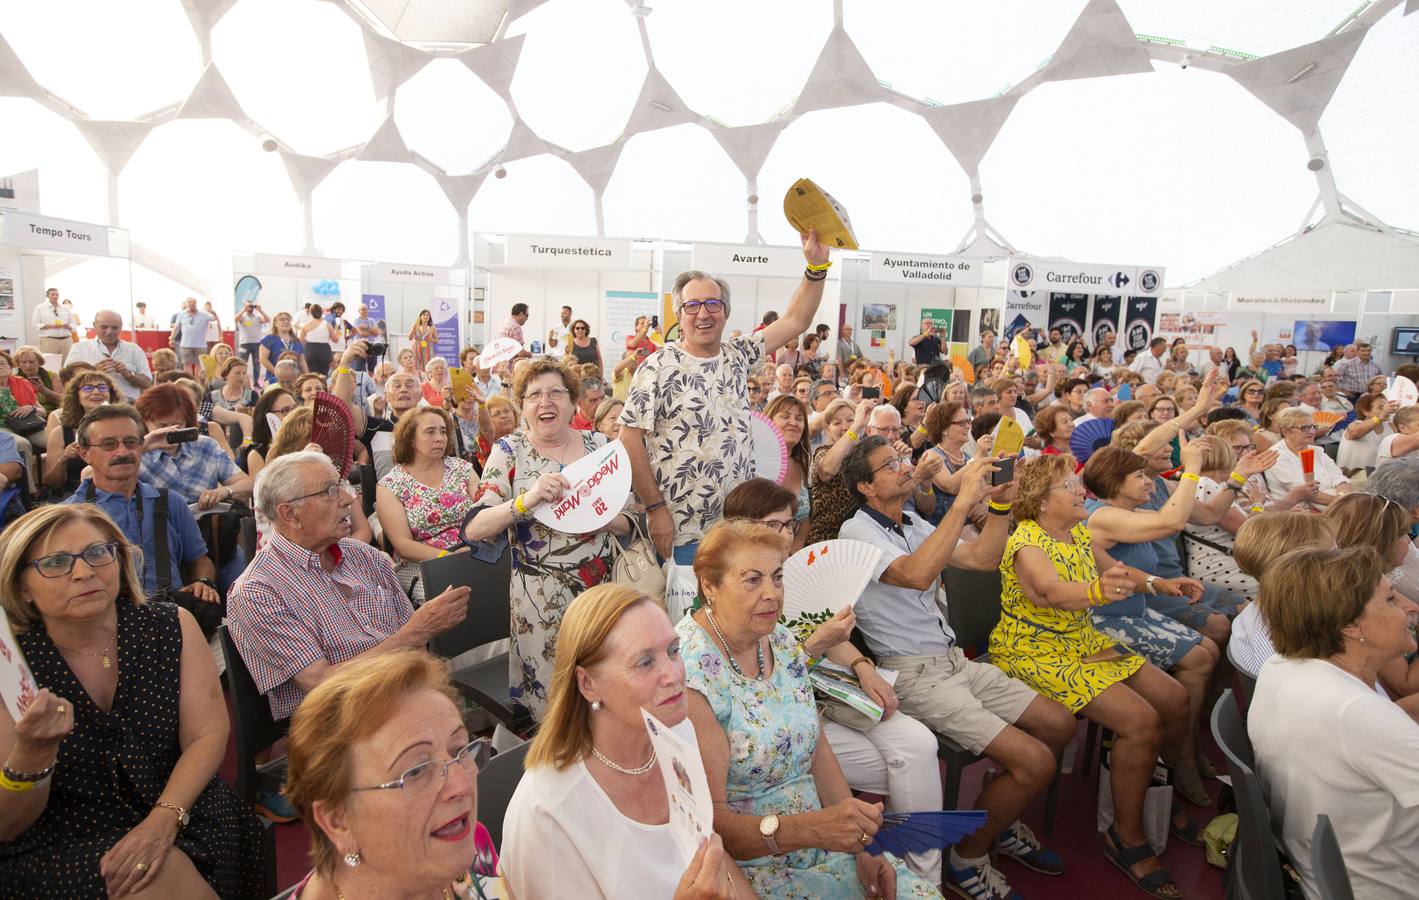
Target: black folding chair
(488, 621)
(1328, 864)
(1254, 862)
(256, 731)
(496, 784)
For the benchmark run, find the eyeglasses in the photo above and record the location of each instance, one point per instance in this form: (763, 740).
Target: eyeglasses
(961, 422)
(556, 395)
(108, 445)
(1239, 449)
(329, 492)
(895, 464)
(93, 389)
(1308, 429)
(1253, 391)
(1071, 484)
(778, 526)
(693, 307)
(57, 565)
(472, 756)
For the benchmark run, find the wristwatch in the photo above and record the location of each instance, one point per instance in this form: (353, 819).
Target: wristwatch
(1148, 584)
(768, 827)
(183, 817)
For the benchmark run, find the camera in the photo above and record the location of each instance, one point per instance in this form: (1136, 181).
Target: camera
(182, 436)
(372, 349)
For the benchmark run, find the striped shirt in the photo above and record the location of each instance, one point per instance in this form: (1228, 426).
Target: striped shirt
(287, 613)
(1354, 374)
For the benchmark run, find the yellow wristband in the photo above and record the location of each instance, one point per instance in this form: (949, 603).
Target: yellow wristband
(1190, 476)
(518, 506)
(1258, 509)
(442, 554)
(1000, 507)
(820, 267)
(851, 434)
(1376, 419)
(343, 370)
(11, 784)
(921, 429)
(1237, 477)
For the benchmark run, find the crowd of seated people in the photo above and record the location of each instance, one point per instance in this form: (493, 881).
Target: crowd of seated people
(1217, 531)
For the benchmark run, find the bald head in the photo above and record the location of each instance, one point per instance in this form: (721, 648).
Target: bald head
(108, 325)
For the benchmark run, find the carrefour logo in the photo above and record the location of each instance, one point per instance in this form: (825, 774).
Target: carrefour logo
(1022, 275)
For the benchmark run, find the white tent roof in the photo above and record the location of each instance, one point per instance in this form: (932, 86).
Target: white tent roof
(1183, 134)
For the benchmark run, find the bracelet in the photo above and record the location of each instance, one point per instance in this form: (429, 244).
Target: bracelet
(851, 434)
(1237, 477)
(442, 554)
(1256, 509)
(999, 507)
(343, 370)
(921, 429)
(810, 275)
(1095, 592)
(1190, 476)
(519, 507)
(861, 659)
(29, 777)
(927, 489)
(9, 784)
(1377, 420)
(654, 506)
(820, 267)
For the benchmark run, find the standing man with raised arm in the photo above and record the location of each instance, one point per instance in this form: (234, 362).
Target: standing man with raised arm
(686, 421)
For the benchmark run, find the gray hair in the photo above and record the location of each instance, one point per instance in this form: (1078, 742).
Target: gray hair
(886, 409)
(437, 359)
(678, 290)
(1094, 394)
(980, 392)
(591, 384)
(287, 362)
(858, 465)
(278, 483)
(1397, 480)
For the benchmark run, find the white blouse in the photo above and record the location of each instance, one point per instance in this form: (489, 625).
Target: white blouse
(563, 837)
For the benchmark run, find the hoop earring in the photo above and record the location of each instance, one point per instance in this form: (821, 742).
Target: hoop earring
(353, 859)
(596, 706)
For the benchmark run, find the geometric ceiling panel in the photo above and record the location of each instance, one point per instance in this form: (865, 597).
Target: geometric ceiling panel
(987, 46)
(459, 189)
(204, 15)
(1259, 27)
(391, 63)
(450, 117)
(300, 69)
(15, 79)
(596, 165)
(439, 21)
(522, 142)
(1193, 206)
(969, 128)
(749, 145)
(114, 142)
(306, 172)
(1100, 43)
(495, 63)
(1298, 83)
(211, 98)
(113, 60)
(73, 183)
(841, 77)
(386, 145)
(579, 71)
(658, 106)
(886, 167)
(783, 37)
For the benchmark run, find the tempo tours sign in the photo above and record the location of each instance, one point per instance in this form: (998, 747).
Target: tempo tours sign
(552, 252)
(919, 269)
(1083, 278)
(60, 235)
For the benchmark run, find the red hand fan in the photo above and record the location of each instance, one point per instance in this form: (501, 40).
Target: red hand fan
(333, 428)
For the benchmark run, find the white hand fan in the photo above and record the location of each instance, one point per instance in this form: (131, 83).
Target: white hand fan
(499, 350)
(826, 576)
(1402, 391)
(770, 451)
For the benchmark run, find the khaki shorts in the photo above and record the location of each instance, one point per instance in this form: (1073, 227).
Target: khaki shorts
(190, 356)
(969, 702)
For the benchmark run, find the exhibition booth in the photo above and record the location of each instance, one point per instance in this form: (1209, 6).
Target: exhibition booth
(34, 246)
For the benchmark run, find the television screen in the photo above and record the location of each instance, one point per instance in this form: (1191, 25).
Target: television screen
(1313, 334)
(1405, 341)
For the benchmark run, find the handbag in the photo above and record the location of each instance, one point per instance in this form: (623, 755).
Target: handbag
(25, 425)
(635, 565)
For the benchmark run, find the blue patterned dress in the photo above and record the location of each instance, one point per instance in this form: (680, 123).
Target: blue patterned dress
(773, 730)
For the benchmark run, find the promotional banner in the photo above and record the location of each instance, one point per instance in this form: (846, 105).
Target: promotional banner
(1067, 312)
(1104, 318)
(1023, 309)
(375, 302)
(1142, 317)
(445, 313)
(618, 319)
(1277, 302)
(498, 351)
(1085, 278)
(940, 320)
(599, 482)
(918, 268)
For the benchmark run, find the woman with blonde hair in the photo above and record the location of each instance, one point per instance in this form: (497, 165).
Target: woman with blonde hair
(385, 775)
(1261, 540)
(607, 418)
(110, 777)
(790, 415)
(29, 365)
(1250, 395)
(1221, 508)
(592, 798)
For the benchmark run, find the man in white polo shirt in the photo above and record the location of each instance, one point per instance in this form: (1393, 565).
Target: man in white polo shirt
(901, 617)
(120, 360)
(54, 325)
(1149, 363)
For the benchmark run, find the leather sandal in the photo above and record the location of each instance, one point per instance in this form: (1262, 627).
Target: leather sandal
(1126, 858)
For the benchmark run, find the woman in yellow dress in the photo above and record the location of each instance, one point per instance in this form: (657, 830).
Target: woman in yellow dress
(1050, 577)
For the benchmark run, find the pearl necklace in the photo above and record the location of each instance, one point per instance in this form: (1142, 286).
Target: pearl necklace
(638, 770)
(733, 663)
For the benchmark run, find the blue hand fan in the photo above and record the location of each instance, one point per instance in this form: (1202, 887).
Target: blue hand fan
(1125, 392)
(917, 832)
(1090, 436)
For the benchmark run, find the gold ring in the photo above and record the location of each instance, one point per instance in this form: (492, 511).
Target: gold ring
(141, 867)
(60, 709)
(866, 839)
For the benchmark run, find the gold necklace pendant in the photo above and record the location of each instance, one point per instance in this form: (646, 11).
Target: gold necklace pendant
(107, 660)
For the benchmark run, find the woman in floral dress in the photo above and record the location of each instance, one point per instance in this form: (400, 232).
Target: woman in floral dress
(424, 498)
(768, 764)
(549, 568)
